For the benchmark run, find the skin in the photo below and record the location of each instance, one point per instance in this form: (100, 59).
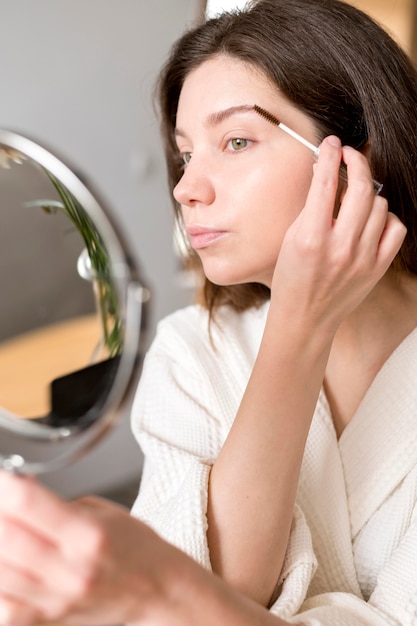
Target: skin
(261, 212)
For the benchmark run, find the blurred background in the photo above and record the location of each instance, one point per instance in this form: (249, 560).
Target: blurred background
(78, 76)
(398, 16)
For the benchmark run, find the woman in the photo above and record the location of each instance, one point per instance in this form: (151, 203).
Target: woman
(311, 378)
(277, 417)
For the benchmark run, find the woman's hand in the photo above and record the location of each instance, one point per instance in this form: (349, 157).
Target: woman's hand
(90, 562)
(327, 266)
(86, 561)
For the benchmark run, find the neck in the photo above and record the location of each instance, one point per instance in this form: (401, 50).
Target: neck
(388, 312)
(365, 340)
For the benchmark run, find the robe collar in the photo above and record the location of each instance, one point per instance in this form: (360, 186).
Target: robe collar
(378, 447)
(343, 482)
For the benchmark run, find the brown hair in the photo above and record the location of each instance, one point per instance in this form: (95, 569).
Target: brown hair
(334, 63)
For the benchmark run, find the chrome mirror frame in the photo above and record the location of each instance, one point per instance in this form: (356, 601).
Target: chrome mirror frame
(32, 448)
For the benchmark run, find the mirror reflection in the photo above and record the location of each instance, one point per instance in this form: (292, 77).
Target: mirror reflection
(65, 289)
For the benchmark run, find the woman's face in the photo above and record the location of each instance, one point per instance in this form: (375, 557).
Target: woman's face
(245, 180)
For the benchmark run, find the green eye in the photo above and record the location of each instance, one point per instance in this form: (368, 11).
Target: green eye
(238, 143)
(186, 157)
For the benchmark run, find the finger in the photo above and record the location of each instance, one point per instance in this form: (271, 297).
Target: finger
(359, 195)
(317, 215)
(18, 588)
(382, 236)
(17, 583)
(38, 509)
(390, 241)
(22, 498)
(14, 612)
(39, 560)
(375, 224)
(24, 593)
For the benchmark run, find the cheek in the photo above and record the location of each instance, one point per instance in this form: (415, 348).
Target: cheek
(275, 195)
(276, 203)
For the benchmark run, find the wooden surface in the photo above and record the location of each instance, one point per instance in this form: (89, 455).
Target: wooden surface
(31, 361)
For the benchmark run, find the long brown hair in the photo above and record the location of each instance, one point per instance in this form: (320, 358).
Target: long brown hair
(338, 66)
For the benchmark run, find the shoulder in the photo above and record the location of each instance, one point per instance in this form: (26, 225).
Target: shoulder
(201, 369)
(190, 329)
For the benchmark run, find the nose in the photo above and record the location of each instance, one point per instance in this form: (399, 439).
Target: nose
(195, 186)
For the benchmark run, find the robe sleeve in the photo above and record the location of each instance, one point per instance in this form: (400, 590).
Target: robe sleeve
(174, 421)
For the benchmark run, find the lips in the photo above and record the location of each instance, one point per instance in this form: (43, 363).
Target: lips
(202, 237)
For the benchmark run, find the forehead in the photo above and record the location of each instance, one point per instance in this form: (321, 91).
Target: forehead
(223, 82)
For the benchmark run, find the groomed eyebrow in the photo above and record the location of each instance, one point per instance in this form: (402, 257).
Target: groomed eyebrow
(219, 116)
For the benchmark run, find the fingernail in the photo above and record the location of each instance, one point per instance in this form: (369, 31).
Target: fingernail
(334, 141)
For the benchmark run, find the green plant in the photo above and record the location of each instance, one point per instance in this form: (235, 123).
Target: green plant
(100, 265)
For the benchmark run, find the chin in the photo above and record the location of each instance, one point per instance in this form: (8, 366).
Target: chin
(226, 276)
(231, 280)
(224, 279)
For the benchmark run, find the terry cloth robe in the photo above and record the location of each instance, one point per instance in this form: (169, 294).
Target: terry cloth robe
(352, 554)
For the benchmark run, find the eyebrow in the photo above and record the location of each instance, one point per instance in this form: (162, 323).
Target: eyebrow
(219, 116)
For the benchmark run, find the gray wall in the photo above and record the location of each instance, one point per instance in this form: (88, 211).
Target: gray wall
(78, 76)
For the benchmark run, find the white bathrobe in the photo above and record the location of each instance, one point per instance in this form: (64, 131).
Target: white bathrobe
(352, 555)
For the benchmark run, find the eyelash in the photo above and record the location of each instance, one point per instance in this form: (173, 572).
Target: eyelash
(183, 156)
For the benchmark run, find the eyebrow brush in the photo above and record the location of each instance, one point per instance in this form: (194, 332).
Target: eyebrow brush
(315, 149)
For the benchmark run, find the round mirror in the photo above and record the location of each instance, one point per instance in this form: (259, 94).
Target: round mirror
(72, 314)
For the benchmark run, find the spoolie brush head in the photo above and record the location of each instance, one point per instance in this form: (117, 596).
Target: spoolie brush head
(266, 114)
